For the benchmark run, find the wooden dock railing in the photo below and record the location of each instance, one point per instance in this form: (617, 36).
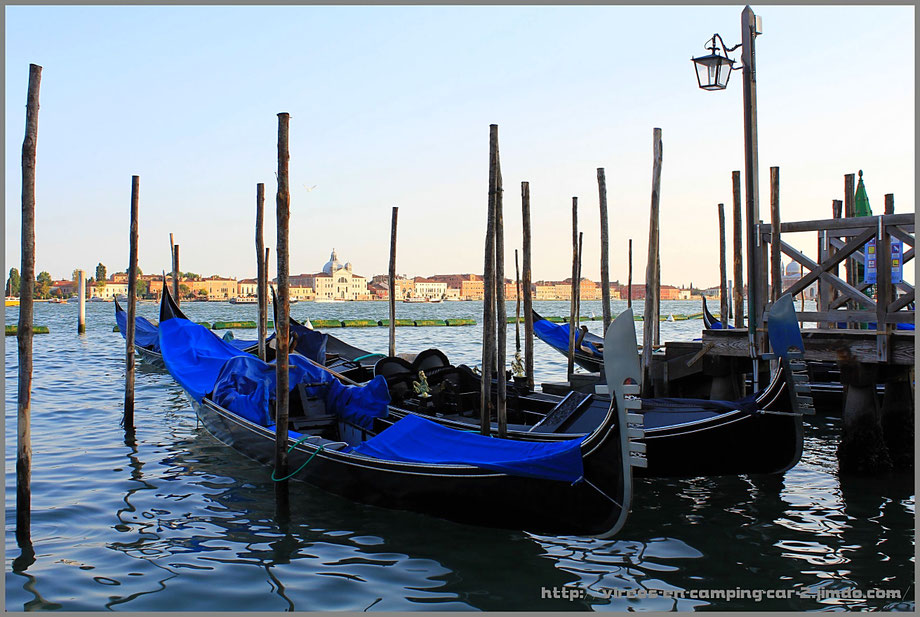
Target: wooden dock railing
(848, 301)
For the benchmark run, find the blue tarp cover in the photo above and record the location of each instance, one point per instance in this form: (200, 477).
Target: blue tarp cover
(417, 440)
(310, 343)
(201, 363)
(557, 335)
(145, 333)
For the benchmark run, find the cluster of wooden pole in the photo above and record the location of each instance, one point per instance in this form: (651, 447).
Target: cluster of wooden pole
(494, 328)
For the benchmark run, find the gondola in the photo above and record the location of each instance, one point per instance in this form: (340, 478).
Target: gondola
(710, 322)
(682, 437)
(589, 348)
(146, 337)
(340, 444)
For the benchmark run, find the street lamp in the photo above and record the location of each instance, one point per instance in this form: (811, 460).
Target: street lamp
(712, 73)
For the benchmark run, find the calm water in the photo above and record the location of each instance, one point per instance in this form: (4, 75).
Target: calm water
(174, 520)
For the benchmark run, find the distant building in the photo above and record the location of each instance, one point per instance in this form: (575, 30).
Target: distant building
(248, 287)
(338, 282)
(791, 274)
(109, 289)
(472, 289)
(428, 288)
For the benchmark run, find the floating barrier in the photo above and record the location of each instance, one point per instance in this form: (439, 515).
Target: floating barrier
(326, 323)
(461, 322)
(399, 322)
(358, 323)
(430, 322)
(14, 330)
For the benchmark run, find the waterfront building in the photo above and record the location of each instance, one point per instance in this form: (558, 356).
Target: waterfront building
(338, 282)
(108, 290)
(428, 288)
(473, 289)
(214, 287)
(248, 287)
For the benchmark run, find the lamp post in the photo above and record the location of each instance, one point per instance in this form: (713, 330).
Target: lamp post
(712, 73)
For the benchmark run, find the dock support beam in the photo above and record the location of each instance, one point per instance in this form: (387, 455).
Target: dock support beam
(862, 447)
(132, 308)
(261, 270)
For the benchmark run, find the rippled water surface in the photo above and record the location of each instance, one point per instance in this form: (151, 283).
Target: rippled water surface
(174, 520)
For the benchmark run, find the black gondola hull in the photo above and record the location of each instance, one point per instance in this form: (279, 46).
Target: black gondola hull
(459, 493)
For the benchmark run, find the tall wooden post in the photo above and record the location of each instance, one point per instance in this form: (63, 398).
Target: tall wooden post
(629, 278)
(752, 192)
(737, 250)
(132, 308)
(572, 299)
(723, 275)
(776, 264)
(581, 238)
(488, 300)
(501, 319)
(391, 282)
(81, 302)
(282, 323)
(517, 304)
(24, 328)
(261, 270)
(605, 252)
(175, 266)
(652, 269)
(528, 298)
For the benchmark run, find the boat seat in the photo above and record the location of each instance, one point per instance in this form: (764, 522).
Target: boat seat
(428, 360)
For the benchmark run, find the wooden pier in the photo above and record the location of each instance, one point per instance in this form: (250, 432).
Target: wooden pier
(856, 323)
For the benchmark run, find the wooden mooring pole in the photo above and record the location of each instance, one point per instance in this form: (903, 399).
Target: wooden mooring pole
(737, 250)
(528, 298)
(81, 302)
(776, 264)
(128, 419)
(629, 278)
(723, 276)
(282, 324)
(572, 299)
(391, 282)
(501, 319)
(605, 252)
(517, 304)
(24, 329)
(261, 267)
(652, 269)
(175, 285)
(488, 300)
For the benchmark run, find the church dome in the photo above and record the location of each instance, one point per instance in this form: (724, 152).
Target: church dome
(333, 264)
(793, 268)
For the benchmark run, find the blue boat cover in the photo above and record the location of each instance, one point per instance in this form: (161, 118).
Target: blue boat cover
(417, 440)
(557, 335)
(310, 343)
(145, 333)
(203, 363)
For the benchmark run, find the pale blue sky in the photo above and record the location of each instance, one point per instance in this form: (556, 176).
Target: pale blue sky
(392, 106)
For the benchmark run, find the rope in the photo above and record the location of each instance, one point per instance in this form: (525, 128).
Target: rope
(366, 356)
(299, 469)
